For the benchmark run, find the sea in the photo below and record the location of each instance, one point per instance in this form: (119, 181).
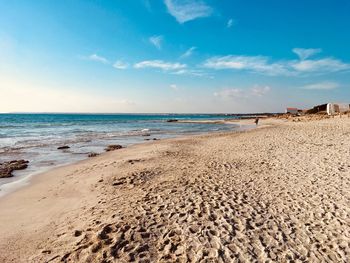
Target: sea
(36, 137)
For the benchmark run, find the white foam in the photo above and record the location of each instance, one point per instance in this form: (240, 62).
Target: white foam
(23, 180)
(12, 186)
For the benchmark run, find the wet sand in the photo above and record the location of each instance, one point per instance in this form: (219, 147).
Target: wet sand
(276, 194)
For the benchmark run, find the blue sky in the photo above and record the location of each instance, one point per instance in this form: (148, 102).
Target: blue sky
(172, 55)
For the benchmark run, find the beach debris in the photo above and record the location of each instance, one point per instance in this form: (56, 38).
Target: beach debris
(132, 161)
(92, 154)
(7, 168)
(113, 147)
(172, 120)
(63, 147)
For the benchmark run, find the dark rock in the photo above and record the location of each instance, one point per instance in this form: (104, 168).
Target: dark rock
(146, 134)
(63, 147)
(172, 120)
(134, 161)
(155, 139)
(7, 168)
(77, 233)
(113, 147)
(93, 154)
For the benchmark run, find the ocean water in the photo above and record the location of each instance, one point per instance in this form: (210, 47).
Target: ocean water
(35, 137)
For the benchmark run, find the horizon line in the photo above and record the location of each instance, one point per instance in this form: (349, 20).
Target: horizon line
(139, 113)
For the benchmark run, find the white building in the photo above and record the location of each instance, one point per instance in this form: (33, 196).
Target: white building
(335, 108)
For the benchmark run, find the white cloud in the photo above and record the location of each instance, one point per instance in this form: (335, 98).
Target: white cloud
(321, 86)
(231, 93)
(191, 72)
(188, 52)
(264, 65)
(97, 58)
(174, 87)
(260, 91)
(187, 10)
(174, 68)
(304, 53)
(229, 23)
(258, 64)
(120, 65)
(320, 65)
(160, 65)
(156, 41)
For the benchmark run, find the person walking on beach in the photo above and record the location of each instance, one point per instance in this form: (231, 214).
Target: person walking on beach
(256, 121)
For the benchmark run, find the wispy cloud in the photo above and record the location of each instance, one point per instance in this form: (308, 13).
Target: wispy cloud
(188, 52)
(304, 53)
(174, 87)
(160, 65)
(229, 93)
(320, 65)
(187, 10)
(156, 41)
(229, 23)
(120, 65)
(260, 91)
(191, 72)
(232, 93)
(258, 64)
(173, 68)
(265, 65)
(321, 86)
(97, 58)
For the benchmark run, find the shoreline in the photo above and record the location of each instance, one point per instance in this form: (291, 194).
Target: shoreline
(36, 139)
(272, 193)
(25, 180)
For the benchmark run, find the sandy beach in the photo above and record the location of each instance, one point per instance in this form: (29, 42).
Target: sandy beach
(275, 194)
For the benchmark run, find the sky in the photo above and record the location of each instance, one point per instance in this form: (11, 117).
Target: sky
(181, 56)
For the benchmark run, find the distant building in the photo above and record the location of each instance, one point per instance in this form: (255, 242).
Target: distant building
(330, 108)
(292, 110)
(336, 108)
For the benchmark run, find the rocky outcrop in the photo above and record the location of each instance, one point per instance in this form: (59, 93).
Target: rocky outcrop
(7, 168)
(172, 120)
(92, 154)
(63, 147)
(113, 147)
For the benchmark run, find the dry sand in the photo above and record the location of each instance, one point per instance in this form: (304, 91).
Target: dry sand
(276, 194)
